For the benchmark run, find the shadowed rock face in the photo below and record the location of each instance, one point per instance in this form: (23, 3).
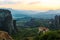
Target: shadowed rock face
(6, 23)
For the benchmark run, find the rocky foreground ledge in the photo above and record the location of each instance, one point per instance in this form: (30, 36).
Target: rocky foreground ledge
(5, 36)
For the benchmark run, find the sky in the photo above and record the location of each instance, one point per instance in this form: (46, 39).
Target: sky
(31, 4)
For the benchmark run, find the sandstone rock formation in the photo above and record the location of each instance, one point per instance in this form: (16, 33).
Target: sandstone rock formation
(5, 36)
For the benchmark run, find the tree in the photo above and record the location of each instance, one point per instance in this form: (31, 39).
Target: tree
(51, 35)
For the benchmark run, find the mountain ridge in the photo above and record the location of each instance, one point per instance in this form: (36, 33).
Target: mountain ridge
(34, 14)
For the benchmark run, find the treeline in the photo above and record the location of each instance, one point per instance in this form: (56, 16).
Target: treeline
(34, 22)
(25, 33)
(50, 35)
(32, 34)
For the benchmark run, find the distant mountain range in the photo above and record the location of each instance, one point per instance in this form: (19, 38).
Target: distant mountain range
(34, 14)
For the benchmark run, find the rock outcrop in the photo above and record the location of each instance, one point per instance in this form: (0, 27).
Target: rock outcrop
(5, 36)
(6, 22)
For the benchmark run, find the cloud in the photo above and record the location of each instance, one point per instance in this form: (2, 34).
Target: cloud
(35, 2)
(11, 0)
(16, 1)
(30, 7)
(25, 4)
(3, 2)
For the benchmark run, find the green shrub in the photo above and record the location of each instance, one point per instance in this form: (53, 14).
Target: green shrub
(51, 35)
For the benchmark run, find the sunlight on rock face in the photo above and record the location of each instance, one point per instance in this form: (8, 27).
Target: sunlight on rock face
(5, 36)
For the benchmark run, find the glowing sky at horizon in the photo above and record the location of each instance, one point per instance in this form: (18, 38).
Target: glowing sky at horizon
(31, 4)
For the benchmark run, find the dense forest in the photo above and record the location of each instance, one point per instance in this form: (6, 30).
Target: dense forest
(29, 30)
